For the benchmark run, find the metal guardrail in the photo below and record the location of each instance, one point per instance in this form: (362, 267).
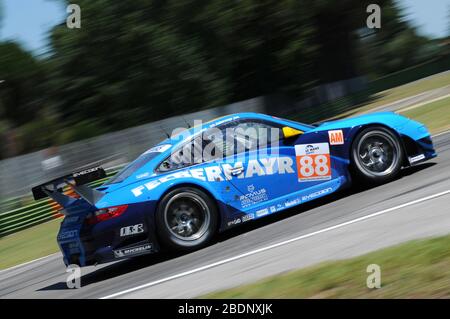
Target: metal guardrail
(38, 212)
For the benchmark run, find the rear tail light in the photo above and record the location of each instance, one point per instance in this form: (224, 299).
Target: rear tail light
(105, 214)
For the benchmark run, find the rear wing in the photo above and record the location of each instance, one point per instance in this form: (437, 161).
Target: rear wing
(76, 181)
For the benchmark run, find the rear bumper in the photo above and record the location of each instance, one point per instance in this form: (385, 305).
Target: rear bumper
(107, 254)
(85, 245)
(85, 256)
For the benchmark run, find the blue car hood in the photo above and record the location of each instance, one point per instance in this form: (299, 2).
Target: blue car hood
(389, 118)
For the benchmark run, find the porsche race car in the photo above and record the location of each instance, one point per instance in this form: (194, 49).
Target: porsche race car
(227, 172)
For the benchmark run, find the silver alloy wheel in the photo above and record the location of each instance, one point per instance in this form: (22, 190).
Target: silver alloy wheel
(377, 153)
(187, 216)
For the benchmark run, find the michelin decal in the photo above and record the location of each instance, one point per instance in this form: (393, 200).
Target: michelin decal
(132, 251)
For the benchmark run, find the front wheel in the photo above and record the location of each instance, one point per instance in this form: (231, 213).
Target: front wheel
(186, 219)
(377, 155)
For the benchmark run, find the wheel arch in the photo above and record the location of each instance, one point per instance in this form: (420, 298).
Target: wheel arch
(403, 139)
(208, 192)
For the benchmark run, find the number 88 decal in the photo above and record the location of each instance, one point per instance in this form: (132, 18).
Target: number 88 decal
(313, 162)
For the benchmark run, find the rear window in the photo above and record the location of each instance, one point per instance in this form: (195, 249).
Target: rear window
(128, 170)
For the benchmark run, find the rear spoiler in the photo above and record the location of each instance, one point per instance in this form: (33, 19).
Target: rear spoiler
(76, 181)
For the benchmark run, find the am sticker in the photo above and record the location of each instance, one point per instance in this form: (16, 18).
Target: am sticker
(336, 137)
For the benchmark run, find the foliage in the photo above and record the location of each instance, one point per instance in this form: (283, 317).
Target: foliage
(20, 89)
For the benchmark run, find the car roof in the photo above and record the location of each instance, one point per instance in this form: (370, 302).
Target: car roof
(174, 139)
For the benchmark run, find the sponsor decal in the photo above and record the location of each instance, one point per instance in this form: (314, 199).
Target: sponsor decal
(310, 149)
(416, 158)
(273, 209)
(234, 222)
(226, 120)
(87, 171)
(304, 198)
(317, 194)
(71, 219)
(131, 230)
(336, 137)
(248, 217)
(73, 248)
(292, 202)
(313, 162)
(68, 234)
(159, 148)
(216, 173)
(143, 175)
(132, 250)
(262, 212)
(253, 197)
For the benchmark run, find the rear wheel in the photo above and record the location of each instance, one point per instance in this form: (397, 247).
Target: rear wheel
(186, 219)
(377, 155)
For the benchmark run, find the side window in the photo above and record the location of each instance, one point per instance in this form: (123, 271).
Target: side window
(187, 155)
(223, 141)
(217, 144)
(239, 137)
(256, 134)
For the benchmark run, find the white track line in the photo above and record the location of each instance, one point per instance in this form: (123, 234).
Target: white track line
(256, 251)
(26, 263)
(441, 133)
(411, 107)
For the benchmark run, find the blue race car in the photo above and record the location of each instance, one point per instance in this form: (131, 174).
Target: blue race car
(206, 179)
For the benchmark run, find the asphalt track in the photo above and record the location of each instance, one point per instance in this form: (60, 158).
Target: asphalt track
(347, 224)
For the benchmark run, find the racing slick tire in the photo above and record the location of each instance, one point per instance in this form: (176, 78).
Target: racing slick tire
(376, 155)
(186, 219)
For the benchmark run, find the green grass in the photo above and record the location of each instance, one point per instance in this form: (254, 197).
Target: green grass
(400, 92)
(411, 89)
(417, 269)
(29, 244)
(435, 115)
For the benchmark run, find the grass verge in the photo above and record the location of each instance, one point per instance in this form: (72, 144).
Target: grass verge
(417, 269)
(411, 89)
(400, 92)
(435, 115)
(29, 244)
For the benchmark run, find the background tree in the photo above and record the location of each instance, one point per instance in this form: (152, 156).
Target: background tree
(395, 46)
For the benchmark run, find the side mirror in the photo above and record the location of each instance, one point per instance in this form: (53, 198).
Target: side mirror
(290, 132)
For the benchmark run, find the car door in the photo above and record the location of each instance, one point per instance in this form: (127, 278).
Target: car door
(259, 166)
(253, 167)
